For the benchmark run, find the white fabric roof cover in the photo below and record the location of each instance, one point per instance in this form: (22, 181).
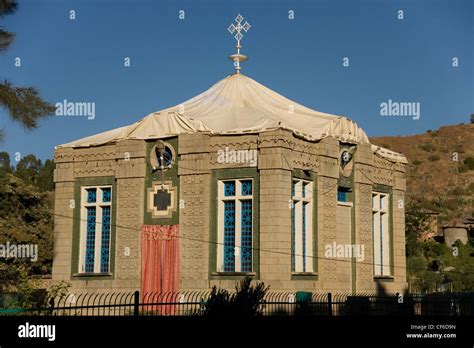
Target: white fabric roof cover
(236, 105)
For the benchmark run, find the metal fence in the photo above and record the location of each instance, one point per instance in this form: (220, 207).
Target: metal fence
(193, 303)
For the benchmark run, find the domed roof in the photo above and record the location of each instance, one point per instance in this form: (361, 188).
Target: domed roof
(234, 105)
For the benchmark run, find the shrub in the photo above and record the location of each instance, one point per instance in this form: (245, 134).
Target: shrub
(417, 162)
(57, 291)
(246, 302)
(15, 278)
(433, 158)
(427, 147)
(469, 162)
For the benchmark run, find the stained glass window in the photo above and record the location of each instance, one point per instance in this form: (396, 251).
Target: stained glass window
(96, 229)
(246, 225)
(229, 236)
(90, 239)
(105, 244)
(229, 188)
(246, 187)
(236, 229)
(106, 194)
(91, 195)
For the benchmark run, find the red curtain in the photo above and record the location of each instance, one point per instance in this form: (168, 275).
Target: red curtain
(160, 265)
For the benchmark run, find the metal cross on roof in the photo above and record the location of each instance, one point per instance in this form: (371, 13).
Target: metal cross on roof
(237, 29)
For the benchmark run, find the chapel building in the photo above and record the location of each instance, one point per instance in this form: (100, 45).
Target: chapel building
(237, 181)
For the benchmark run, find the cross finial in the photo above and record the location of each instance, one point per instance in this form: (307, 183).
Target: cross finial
(237, 29)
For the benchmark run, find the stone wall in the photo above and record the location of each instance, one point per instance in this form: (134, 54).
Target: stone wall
(126, 162)
(63, 219)
(363, 225)
(194, 231)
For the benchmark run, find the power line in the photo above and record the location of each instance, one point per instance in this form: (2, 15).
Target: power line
(331, 187)
(354, 260)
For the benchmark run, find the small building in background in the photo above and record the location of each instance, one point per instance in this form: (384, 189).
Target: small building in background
(458, 229)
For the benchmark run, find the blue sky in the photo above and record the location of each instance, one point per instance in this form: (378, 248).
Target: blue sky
(172, 60)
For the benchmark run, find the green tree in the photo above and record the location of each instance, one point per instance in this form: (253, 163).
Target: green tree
(24, 105)
(26, 217)
(460, 271)
(416, 223)
(45, 176)
(425, 259)
(5, 166)
(29, 169)
(32, 171)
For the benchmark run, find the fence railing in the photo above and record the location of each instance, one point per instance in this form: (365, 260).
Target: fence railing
(192, 303)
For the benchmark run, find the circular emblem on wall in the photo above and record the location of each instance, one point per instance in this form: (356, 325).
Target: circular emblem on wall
(346, 161)
(162, 156)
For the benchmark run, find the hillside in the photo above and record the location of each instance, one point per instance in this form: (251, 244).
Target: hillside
(440, 173)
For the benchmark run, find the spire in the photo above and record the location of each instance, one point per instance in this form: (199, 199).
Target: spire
(238, 28)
